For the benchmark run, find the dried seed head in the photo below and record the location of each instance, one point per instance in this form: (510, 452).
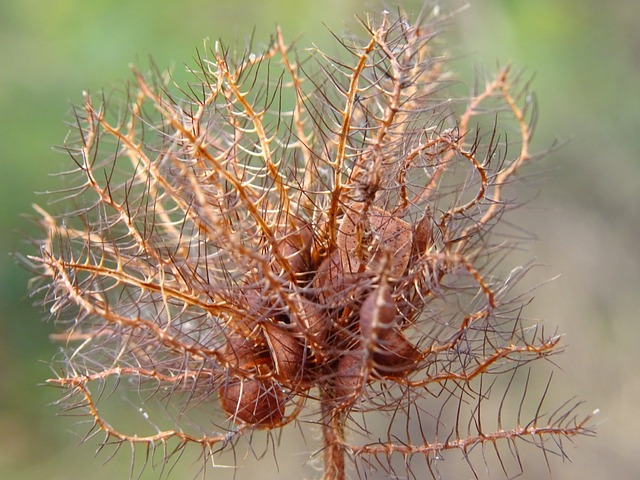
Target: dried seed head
(335, 258)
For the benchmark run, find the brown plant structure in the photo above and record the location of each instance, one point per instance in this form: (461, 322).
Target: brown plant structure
(299, 239)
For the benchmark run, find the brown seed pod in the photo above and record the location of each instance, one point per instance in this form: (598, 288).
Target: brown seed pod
(253, 303)
(295, 246)
(243, 352)
(287, 352)
(349, 377)
(252, 401)
(375, 233)
(422, 235)
(395, 356)
(377, 313)
(314, 325)
(365, 239)
(331, 285)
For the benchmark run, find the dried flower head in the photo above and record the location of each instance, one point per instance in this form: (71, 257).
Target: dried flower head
(299, 239)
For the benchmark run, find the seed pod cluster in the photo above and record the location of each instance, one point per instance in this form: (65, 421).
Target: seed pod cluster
(348, 316)
(282, 239)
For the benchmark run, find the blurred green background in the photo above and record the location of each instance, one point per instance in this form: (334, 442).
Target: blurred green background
(586, 58)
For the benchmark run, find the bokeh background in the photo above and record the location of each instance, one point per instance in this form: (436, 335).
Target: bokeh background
(585, 55)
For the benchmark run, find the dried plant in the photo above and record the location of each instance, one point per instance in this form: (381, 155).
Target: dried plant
(300, 239)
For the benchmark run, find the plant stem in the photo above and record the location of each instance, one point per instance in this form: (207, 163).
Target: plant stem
(333, 436)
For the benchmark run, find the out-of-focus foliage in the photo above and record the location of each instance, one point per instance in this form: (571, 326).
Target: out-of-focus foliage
(584, 55)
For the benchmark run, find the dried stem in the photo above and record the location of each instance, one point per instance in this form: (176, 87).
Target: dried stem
(333, 423)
